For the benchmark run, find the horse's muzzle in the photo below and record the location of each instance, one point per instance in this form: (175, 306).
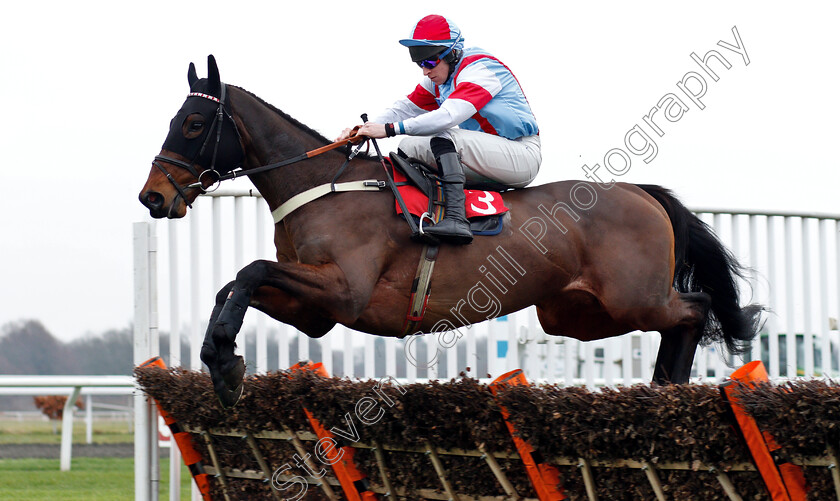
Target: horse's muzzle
(156, 203)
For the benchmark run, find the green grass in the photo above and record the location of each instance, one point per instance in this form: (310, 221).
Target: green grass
(36, 431)
(106, 479)
(89, 479)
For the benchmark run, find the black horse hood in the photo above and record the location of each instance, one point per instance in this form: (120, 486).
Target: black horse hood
(196, 140)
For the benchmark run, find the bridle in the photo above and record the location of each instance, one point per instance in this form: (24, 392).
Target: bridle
(216, 125)
(237, 170)
(299, 199)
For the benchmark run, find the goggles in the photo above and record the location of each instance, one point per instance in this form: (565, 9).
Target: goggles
(429, 63)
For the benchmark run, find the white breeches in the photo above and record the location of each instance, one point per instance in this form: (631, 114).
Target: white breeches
(486, 158)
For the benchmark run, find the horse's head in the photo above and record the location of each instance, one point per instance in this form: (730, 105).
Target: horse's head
(203, 143)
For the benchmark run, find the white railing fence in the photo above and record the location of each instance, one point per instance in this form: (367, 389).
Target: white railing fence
(73, 387)
(792, 262)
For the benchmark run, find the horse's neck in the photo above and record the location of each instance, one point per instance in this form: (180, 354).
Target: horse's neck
(271, 138)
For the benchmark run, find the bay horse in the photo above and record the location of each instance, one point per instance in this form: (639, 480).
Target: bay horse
(597, 260)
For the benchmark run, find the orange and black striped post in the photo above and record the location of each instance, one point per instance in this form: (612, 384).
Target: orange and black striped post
(544, 477)
(354, 483)
(785, 481)
(184, 440)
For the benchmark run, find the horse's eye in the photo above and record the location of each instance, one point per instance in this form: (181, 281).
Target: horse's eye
(196, 126)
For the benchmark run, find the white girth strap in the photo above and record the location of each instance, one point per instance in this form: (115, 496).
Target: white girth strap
(317, 192)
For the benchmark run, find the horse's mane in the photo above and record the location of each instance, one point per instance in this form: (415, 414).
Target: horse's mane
(300, 125)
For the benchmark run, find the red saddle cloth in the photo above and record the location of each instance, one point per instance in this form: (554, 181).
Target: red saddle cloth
(479, 203)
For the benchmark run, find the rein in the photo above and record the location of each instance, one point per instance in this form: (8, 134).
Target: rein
(298, 200)
(216, 126)
(303, 156)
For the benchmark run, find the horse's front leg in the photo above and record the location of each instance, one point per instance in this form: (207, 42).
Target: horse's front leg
(318, 294)
(210, 352)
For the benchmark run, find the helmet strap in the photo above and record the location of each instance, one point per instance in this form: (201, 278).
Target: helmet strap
(451, 47)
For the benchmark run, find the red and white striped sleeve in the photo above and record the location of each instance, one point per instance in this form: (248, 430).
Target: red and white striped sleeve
(450, 114)
(420, 101)
(476, 84)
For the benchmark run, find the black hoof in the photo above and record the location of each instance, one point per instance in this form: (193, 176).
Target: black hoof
(234, 373)
(229, 398)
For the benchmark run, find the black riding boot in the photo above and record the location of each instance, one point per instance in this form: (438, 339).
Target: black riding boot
(454, 227)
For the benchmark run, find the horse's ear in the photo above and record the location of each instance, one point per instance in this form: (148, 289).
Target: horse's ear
(213, 80)
(192, 76)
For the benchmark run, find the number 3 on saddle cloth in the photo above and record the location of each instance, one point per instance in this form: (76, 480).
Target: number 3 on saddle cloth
(485, 209)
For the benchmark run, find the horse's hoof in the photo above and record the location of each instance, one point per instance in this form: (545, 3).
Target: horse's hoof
(229, 398)
(233, 375)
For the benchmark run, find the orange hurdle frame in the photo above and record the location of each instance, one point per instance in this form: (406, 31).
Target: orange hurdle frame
(544, 477)
(354, 483)
(184, 440)
(785, 481)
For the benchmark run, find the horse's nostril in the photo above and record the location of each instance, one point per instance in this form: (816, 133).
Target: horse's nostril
(152, 200)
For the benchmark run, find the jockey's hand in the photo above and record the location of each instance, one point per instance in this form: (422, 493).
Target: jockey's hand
(347, 133)
(372, 130)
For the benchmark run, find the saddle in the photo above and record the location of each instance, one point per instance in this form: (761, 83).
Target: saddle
(420, 187)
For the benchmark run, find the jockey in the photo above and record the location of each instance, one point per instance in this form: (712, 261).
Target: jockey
(468, 116)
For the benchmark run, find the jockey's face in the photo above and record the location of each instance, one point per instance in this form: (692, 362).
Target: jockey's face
(438, 74)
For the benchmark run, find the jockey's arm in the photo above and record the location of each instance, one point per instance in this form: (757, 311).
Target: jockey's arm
(400, 110)
(419, 114)
(451, 113)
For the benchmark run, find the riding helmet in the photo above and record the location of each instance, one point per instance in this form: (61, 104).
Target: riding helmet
(433, 36)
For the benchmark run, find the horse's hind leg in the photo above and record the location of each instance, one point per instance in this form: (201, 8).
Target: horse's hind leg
(679, 343)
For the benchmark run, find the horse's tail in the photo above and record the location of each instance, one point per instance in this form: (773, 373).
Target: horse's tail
(703, 264)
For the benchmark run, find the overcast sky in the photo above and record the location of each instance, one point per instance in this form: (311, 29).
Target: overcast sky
(89, 88)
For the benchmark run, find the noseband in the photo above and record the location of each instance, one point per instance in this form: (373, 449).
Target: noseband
(218, 121)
